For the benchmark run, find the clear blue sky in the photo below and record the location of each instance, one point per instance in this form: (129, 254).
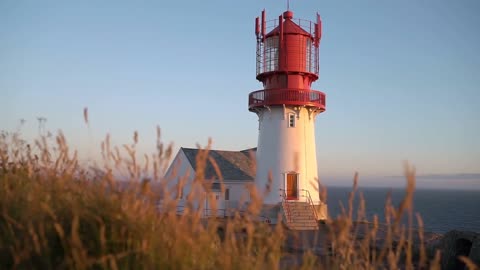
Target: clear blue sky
(402, 77)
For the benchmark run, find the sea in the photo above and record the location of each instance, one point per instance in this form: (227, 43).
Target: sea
(441, 210)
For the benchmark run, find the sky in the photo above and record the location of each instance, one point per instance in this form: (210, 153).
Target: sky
(402, 79)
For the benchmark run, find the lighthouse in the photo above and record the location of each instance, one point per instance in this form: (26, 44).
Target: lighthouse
(287, 64)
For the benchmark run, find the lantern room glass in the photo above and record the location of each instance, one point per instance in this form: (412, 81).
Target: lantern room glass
(271, 54)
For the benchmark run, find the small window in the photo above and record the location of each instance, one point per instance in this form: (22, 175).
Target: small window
(180, 193)
(291, 120)
(227, 194)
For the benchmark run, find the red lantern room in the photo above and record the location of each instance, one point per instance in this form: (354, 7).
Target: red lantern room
(287, 62)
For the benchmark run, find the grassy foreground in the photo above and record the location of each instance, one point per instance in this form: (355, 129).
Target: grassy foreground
(55, 214)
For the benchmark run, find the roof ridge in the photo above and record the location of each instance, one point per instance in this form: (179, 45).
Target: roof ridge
(219, 150)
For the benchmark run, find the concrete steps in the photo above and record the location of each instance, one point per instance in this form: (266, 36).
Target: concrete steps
(299, 216)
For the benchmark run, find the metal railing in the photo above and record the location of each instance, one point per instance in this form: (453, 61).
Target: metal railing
(310, 202)
(225, 213)
(285, 205)
(290, 96)
(267, 54)
(268, 58)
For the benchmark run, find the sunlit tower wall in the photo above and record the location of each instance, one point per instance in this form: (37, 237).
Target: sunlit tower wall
(287, 65)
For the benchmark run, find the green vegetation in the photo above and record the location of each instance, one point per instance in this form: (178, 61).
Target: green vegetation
(55, 214)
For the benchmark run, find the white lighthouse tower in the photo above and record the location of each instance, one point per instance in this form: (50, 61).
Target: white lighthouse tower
(287, 64)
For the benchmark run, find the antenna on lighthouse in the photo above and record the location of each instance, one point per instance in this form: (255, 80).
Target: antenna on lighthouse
(288, 5)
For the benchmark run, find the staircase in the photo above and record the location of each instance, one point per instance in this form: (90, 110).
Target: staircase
(300, 215)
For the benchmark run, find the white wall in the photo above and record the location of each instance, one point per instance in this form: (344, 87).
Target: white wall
(238, 198)
(239, 194)
(181, 170)
(282, 149)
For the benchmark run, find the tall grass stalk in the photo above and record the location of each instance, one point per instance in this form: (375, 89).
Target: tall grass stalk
(56, 214)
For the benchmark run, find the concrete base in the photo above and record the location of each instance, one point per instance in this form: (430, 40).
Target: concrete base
(322, 211)
(273, 212)
(459, 243)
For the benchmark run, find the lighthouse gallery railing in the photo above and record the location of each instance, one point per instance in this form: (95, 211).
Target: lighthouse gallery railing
(290, 96)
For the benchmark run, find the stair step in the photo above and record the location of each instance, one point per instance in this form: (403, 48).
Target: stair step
(311, 220)
(300, 216)
(301, 213)
(291, 217)
(302, 223)
(303, 228)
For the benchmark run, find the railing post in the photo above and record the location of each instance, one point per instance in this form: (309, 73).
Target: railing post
(285, 205)
(310, 201)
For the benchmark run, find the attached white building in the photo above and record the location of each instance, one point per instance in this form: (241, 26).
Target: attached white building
(223, 178)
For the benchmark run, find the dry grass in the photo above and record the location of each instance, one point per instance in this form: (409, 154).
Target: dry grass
(56, 214)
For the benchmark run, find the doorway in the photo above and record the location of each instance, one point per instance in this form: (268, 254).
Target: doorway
(292, 186)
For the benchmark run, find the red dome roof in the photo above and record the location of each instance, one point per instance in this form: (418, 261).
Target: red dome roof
(289, 27)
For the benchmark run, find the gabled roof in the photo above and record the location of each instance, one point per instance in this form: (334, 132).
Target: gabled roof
(233, 165)
(249, 150)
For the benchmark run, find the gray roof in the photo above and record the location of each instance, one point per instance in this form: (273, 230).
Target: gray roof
(233, 165)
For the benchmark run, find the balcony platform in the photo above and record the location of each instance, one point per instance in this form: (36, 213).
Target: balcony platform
(289, 96)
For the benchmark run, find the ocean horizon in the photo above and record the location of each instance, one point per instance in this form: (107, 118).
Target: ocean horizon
(442, 210)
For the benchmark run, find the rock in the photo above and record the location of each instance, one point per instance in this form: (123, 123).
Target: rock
(459, 243)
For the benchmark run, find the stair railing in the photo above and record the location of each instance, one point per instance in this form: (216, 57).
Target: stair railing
(285, 205)
(310, 202)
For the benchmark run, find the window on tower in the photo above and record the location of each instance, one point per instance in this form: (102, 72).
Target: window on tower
(291, 120)
(271, 54)
(309, 59)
